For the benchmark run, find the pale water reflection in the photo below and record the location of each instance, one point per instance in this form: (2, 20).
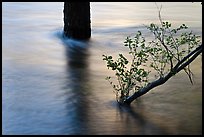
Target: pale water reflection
(54, 85)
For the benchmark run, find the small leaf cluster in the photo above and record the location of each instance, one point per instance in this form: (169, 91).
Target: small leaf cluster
(130, 75)
(170, 46)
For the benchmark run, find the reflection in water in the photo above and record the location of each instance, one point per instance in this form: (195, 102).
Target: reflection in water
(145, 126)
(78, 82)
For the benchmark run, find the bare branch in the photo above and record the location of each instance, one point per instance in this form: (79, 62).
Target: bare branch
(196, 52)
(187, 56)
(159, 9)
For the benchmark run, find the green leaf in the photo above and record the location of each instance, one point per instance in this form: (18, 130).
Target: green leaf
(110, 57)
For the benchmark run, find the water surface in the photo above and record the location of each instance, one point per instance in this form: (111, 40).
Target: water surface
(52, 85)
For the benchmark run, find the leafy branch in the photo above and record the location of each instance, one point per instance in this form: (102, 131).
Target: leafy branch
(171, 50)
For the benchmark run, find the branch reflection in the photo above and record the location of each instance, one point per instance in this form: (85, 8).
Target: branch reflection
(131, 115)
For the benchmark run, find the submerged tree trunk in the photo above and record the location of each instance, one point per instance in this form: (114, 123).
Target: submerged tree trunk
(77, 22)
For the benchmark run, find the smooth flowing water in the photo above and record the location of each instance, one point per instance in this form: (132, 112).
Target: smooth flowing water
(53, 85)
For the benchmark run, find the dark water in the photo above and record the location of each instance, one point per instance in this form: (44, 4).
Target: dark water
(52, 85)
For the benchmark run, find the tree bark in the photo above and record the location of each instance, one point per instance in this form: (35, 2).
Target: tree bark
(179, 66)
(77, 24)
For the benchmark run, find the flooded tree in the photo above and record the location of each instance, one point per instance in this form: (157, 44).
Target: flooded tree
(171, 50)
(77, 22)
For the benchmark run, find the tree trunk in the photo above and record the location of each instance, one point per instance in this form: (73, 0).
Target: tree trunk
(77, 24)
